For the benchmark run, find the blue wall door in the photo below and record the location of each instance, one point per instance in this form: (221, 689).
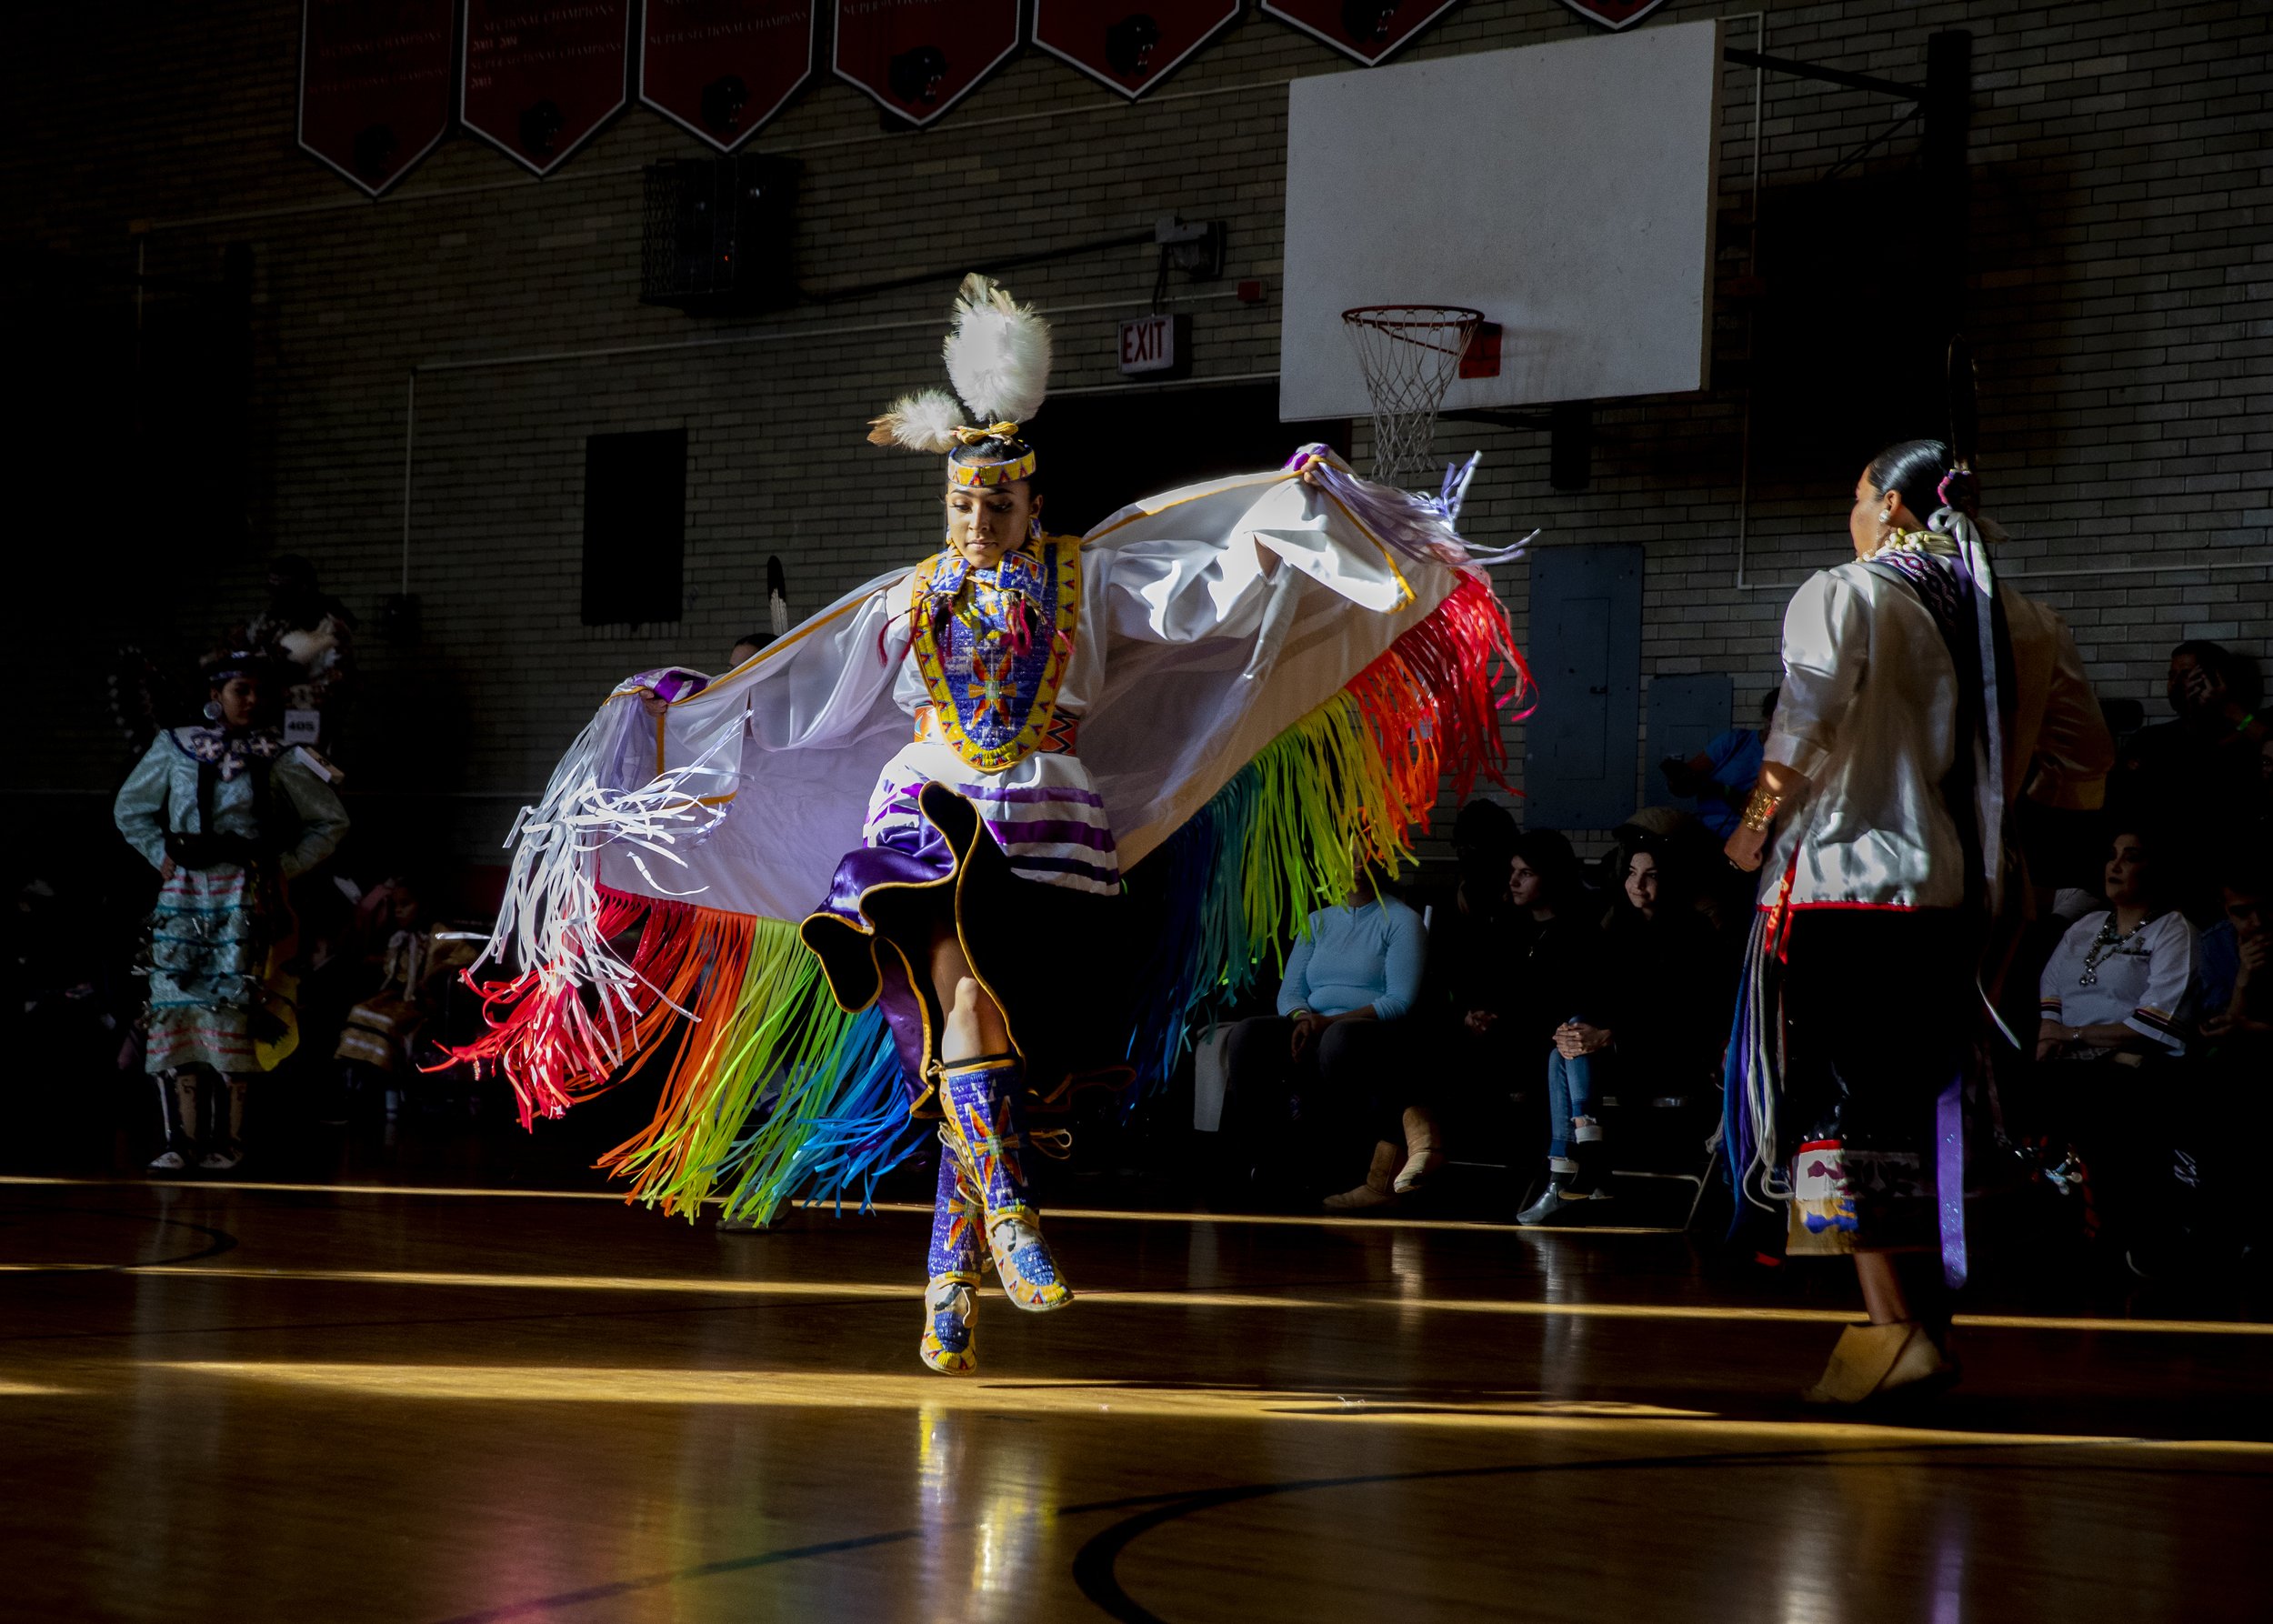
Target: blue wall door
(1580, 756)
(1685, 714)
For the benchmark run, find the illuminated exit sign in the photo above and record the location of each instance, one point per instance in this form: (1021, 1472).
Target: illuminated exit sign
(1156, 345)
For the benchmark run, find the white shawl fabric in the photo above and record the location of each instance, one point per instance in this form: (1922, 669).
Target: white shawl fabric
(1214, 617)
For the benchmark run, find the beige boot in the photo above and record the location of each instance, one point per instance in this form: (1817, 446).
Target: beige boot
(1377, 1191)
(1422, 1157)
(1872, 1361)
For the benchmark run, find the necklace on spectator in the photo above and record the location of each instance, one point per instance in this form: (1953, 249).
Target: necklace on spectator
(2105, 948)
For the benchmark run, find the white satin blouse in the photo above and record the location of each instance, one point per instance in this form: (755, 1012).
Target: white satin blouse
(1868, 714)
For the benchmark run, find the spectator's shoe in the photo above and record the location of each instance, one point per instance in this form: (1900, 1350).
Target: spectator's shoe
(1377, 1191)
(951, 1300)
(168, 1161)
(1876, 1361)
(1556, 1197)
(222, 1159)
(982, 1117)
(1422, 1157)
(1568, 1186)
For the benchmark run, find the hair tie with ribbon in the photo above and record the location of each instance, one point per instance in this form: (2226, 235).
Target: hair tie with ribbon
(1960, 488)
(993, 431)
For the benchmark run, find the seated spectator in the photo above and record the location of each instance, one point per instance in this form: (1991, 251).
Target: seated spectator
(1557, 936)
(2237, 1002)
(2197, 777)
(1720, 776)
(1335, 1042)
(1470, 969)
(1655, 1006)
(2118, 983)
(2117, 994)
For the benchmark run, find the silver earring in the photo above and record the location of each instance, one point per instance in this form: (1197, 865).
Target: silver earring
(213, 711)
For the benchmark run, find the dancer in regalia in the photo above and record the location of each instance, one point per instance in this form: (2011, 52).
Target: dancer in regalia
(1920, 699)
(1256, 682)
(228, 814)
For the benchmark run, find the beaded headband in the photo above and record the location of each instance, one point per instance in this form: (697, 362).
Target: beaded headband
(988, 475)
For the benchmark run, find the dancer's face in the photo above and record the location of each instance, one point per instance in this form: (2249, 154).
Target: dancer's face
(238, 699)
(985, 524)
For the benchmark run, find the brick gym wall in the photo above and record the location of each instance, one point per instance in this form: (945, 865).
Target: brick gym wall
(2120, 289)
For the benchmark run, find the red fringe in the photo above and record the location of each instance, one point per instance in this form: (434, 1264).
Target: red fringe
(1431, 699)
(558, 1046)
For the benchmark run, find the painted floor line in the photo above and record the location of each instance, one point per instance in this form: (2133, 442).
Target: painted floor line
(715, 1286)
(1069, 1214)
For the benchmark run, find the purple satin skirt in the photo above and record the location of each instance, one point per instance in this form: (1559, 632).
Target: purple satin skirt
(887, 904)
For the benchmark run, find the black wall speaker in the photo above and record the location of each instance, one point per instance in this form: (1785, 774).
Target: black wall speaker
(718, 234)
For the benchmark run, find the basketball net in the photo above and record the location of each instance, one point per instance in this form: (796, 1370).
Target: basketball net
(1410, 354)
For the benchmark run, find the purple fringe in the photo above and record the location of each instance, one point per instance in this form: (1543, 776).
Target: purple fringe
(1420, 527)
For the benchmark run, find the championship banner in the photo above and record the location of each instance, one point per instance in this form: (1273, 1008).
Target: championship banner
(919, 58)
(1614, 13)
(1369, 30)
(721, 68)
(375, 85)
(1130, 50)
(541, 76)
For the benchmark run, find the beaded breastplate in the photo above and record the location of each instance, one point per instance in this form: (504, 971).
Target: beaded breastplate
(992, 647)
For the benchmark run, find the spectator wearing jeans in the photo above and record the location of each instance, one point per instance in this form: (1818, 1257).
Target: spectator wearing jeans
(1559, 941)
(1335, 1040)
(1656, 1006)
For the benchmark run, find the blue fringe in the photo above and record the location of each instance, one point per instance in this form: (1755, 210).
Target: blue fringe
(860, 1133)
(1202, 956)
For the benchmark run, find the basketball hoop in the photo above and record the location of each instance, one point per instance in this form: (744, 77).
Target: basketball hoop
(1410, 354)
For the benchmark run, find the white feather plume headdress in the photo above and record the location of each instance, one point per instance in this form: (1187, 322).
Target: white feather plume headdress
(998, 359)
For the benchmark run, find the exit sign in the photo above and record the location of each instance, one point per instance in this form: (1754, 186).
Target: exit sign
(1156, 345)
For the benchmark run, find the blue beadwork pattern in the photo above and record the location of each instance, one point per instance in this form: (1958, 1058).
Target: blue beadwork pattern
(992, 644)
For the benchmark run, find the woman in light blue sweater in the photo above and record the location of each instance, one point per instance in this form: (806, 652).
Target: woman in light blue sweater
(1348, 982)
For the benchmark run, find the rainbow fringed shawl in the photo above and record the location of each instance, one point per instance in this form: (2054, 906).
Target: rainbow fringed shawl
(1292, 665)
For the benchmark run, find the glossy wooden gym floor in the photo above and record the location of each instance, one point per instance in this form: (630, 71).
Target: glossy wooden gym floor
(251, 1403)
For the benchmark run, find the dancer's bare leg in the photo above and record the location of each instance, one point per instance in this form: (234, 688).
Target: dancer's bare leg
(1883, 1297)
(975, 1024)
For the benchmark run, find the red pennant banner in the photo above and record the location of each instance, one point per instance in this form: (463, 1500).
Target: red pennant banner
(1614, 13)
(723, 67)
(1131, 46)
(541, 76)
(919, 58)
(375, 84)
(1370, 30)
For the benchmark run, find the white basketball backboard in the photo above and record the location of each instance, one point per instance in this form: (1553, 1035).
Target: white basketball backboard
(1565, 190)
